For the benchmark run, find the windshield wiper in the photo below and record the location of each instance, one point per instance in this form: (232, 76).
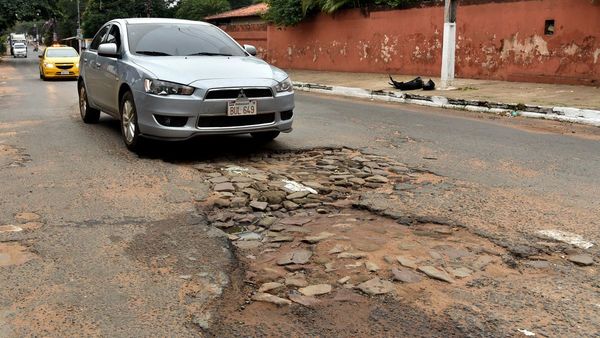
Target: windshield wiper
(152, 52)
(209, 54)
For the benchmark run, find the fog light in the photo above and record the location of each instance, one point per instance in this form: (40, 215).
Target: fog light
(171, 121)
(286, 115)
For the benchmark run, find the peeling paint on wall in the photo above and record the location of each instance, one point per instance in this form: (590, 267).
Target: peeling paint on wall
(387, 49)
(525, 50)
(571, 49)
(363, 48)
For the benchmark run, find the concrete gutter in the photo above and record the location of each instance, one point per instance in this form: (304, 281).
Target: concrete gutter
(568, 114)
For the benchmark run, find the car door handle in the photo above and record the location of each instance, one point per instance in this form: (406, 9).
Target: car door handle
(97, 64)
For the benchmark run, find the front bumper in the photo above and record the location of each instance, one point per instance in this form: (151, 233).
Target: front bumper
(20, 53)
(60, 73)
(274, 114)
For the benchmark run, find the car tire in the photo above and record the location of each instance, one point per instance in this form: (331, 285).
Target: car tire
(265, 136)
(129, 123)
(42, 76)
(88, 114)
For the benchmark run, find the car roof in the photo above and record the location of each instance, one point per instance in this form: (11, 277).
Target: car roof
(160, 20)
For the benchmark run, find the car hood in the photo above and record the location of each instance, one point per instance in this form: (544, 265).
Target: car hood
(186, 70)
(63, 60)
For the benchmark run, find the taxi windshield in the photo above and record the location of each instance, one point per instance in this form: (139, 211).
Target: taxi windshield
(61, 53)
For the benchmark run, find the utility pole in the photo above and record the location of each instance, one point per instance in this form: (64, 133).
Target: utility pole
(54, 35)
(79, 35)
(79, 32)
(449, 44)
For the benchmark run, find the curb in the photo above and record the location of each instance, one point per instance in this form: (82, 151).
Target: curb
(568, 114)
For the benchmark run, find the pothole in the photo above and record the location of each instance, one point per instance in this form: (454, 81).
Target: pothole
(11, 156)
(293, 217)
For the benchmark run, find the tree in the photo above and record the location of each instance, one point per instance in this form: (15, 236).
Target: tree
(98, 12)
(291, 12)
(241, 3)
(66, 24)
(12, 11)
(284, 12)
(199, 9)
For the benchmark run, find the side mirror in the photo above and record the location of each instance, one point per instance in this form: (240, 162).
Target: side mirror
(250, 49)
(108, 50)
(41, 56)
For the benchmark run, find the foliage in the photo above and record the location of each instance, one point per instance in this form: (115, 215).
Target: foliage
(397, 3)
(327, 6)
(27, 27)
(98, 12)
(284, 12)
(241, 3)
(199, 9)
(291, 12)
(12, 11)
(2, 44)
(66, 25)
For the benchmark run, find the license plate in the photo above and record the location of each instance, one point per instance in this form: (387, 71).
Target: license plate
(64, 72)
(241, 107)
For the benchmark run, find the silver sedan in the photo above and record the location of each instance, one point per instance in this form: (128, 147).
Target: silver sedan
(176, 79)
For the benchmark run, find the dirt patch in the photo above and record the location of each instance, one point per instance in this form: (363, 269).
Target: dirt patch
(195, 254)
(343, 314)
(14, 254)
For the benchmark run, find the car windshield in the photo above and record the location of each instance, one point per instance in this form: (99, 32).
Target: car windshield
(61, 53)
(177, 39)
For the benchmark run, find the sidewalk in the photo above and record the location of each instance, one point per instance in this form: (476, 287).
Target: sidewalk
(560, 102)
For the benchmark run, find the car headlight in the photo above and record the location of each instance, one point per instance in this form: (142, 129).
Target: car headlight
(285, 86)
(159, 87)
(48, 65)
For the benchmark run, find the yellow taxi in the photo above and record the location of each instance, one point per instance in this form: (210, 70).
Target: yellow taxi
(59, 62)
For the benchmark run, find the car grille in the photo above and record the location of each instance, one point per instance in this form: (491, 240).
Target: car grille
(64, 66)
(234, 121)
(233, 93)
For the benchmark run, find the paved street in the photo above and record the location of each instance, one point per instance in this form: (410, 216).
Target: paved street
(434, 216)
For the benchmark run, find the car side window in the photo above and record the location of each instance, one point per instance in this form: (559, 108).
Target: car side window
(98, 38)
(114, 36)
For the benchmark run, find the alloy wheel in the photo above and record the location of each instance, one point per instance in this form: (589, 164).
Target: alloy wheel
(82, 102)
(128, 121)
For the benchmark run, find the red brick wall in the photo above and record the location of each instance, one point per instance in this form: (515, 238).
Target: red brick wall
(501, 40)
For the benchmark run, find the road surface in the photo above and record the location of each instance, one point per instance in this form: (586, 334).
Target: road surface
(111, 243)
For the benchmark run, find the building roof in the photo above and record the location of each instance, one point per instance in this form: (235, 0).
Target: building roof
(252, 10)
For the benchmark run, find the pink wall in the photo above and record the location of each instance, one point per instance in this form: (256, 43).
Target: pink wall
(501, 40)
